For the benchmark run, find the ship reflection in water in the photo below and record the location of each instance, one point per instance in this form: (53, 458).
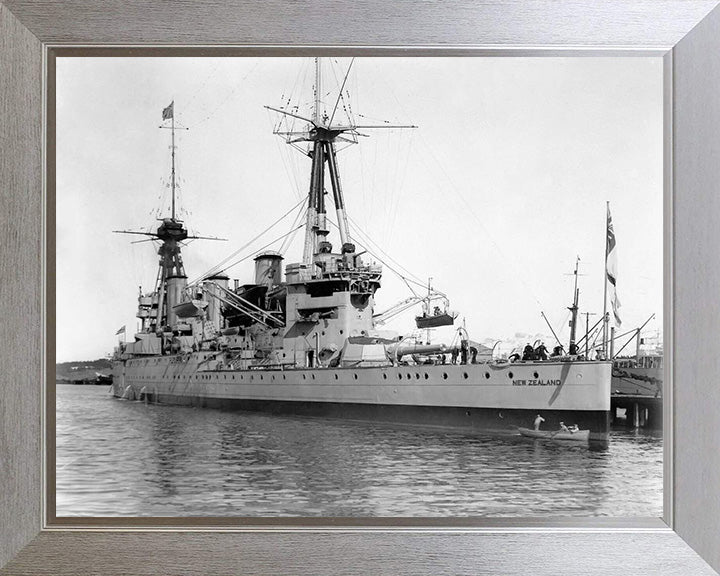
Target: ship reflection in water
(128, 459)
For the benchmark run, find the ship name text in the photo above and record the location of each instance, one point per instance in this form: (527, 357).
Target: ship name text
(536, 383)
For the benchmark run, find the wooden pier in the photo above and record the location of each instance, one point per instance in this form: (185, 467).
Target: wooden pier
(640, 410)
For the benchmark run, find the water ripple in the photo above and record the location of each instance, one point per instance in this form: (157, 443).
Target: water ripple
(119, 458)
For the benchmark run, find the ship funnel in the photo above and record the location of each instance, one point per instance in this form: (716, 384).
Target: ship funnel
(175, 287)
(268, 269)
(215, 285)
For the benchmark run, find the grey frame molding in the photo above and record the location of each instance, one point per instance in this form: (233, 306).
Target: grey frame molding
(686, 33)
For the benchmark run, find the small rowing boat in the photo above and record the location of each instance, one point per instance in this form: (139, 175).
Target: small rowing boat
(575, 436)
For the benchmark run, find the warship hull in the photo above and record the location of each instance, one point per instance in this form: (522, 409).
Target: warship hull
(473, 397)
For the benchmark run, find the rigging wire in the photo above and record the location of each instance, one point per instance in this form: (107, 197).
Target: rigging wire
(300, 215)
(454, 188)
(218, 267)
(339, 97)
(289, 240)
(286, 159)
(193, 96)
(471, 211)
(227, 98)
(264, 247)
(383, 262)
(367, 239)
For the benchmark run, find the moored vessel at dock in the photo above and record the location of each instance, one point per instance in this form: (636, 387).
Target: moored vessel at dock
(639, 375)
(304, 338)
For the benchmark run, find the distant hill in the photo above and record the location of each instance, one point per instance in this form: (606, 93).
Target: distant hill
(82, 370)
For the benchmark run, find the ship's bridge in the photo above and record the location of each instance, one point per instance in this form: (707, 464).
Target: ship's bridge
(344, 268)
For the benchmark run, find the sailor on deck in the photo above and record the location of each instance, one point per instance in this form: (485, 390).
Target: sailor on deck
(541, 352)
(528, 352)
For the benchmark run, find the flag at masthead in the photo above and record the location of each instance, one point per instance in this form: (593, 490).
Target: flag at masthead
(611, 267)
(168, 112)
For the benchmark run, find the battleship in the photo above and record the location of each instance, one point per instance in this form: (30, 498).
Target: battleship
(305, 338)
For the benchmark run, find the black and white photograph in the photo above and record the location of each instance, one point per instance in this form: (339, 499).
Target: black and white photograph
(359, 287)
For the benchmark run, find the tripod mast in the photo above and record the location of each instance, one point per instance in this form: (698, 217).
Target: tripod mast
(323, 136)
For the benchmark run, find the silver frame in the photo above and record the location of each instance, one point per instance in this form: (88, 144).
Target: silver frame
(686, 34)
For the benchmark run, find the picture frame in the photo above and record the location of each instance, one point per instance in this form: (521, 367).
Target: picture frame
(685, 34)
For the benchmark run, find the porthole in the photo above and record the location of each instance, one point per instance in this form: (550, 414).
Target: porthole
(399, 376)
(445, 376)
(510, 374)
(283, 376)
(341, 332)
(465, 375)
(322, 333)
(312, 376)
(535, 375)
(409, 376)
(273, 377)
(384, 376)
(427, 376)
(417, 376)
(304, 377)
(336, 376)
(355, 376)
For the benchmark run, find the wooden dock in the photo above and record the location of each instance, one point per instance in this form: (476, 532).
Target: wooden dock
(637, 410)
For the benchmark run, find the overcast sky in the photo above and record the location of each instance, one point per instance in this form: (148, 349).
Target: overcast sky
(494, 195)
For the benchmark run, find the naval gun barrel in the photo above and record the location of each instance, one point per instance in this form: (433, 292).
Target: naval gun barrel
(401, 351)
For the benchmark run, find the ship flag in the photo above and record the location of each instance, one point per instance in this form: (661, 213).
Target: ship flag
(120, 331)
(611, 268)
(168, 112)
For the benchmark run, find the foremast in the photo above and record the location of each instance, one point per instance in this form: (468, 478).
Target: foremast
(155, 309)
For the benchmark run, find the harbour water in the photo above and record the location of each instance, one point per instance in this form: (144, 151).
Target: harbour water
(120, 458)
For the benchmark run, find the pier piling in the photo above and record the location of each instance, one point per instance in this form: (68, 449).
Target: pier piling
(640, 411)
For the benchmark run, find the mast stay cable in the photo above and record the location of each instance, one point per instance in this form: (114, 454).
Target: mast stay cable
(218, 267)
(265, 246)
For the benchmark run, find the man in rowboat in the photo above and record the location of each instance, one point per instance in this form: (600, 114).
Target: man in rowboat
(538, 420)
